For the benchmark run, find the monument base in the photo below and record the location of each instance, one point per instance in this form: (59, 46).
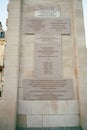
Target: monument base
(56, 128)
(47, 42)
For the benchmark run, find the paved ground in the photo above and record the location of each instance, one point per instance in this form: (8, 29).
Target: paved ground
(61, 128)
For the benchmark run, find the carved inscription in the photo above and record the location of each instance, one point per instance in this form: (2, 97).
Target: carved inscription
(46, 11)
(48, 82)
(48, 57)
(42, 11)
(47, 89)
(42, 25)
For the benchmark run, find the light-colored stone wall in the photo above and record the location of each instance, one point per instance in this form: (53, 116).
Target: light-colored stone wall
(19, 64)
(81, 61)
(48, 113)
(8, 102)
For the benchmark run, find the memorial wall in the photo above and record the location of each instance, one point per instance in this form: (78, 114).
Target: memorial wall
(47, 81)
(46, 69)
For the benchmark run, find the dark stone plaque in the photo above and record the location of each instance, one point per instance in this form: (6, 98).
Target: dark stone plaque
(47, 26)
(48, 57)
(48, 89)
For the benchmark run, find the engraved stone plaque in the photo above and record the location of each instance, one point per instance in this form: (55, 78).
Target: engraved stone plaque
(48, 57)
(48, 82)
(46, 11)
(48, 89)
(47, 26)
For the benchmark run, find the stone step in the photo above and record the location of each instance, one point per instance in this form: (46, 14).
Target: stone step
(56, 128)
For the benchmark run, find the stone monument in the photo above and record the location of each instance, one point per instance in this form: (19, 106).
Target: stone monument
(46, 67)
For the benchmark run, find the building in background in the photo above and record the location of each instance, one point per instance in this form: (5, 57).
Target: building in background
(2, 49)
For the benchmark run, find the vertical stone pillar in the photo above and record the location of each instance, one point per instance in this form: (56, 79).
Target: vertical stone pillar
(81, 61)
(8, 103)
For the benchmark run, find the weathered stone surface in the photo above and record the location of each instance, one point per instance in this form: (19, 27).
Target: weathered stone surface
(73, 107)
(43, 10)
(53, 128)
(48, 89)
(60, 120)
(9, 100)
(52, 113)
(24, 107)
(48, 57)
(34, 121)
(43, 26)
(21, 121)
(49, 107)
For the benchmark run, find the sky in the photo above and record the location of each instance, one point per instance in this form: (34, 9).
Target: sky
(4, 14)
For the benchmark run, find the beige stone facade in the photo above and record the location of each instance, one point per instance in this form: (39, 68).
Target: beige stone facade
(19, 65)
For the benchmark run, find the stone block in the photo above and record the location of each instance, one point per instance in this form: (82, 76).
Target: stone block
(20, 93)
(13, 35)
(60, 120)
(67, 73)
(11, 50)
(34, 121)
(9, 93)
(28, 51)
(7, 115)
(11, 72)
(13, 14)
(83, 93)
(29, 39)
(28, 73)
(83, 82)
(13, 38)
(40, 107)
(21, 121)
(73, 107)
(83, 108)
(27, 63)
(10, 82)
(24, 107)
(84, 122)
(49, 107)
(11, 61)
